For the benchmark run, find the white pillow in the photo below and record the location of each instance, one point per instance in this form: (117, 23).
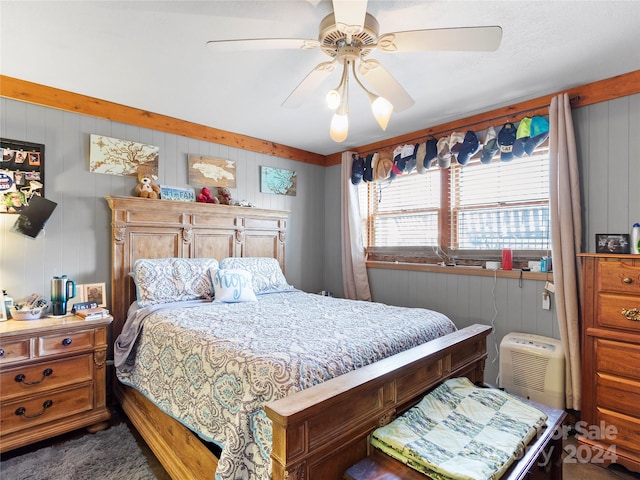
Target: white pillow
(232, 286)
(266, 274)
(163, 280)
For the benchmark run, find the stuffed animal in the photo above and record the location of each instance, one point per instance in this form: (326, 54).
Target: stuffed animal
(224, 196)
(146, 188)
(205, 197)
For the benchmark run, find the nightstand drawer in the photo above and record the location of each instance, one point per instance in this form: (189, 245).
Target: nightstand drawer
(619, 277)
(35, 378)
(619, 311)
(47, 407)
(64, 343)
(618, 358)
(11, 352)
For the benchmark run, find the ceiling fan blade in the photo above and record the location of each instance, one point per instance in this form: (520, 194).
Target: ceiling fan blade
(311, 82)
(447, 39)
(385, 85)
(349, 15)
(262, 44)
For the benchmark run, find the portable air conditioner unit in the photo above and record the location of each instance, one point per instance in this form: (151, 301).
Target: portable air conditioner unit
(532, 366)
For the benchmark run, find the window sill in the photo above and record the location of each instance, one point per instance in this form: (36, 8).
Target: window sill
(460, 270)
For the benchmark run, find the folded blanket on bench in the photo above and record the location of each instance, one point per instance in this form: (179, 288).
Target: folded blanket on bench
(459, 431)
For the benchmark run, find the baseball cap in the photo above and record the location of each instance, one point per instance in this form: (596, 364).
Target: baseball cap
(432, 152)
(506, 139)
(522, 135)
(421, 152)
(444, 153)
(357, 169)
(490, 147)
(469, 147)
(538, 133)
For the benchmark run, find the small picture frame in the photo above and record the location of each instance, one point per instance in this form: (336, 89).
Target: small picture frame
(95, 292)
(613, 243)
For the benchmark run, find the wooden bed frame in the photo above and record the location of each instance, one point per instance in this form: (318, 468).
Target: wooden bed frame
(317, 433)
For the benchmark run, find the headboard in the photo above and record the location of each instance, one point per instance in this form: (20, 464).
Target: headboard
(149, 228)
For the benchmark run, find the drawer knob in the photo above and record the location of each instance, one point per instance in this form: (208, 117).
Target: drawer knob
(45, 373)
(1, 352)
(66, 342)
(22, 412)
(627, 280)
(631, 314)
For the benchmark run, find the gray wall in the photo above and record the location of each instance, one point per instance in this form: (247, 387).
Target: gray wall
(608, 143)
(76, 241)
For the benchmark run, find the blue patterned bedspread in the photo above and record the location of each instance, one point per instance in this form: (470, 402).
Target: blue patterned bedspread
(213, 366)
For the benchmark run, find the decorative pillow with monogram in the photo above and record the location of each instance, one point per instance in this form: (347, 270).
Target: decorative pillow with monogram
(232, 286)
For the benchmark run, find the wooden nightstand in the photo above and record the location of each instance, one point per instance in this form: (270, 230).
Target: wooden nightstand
(52, 378)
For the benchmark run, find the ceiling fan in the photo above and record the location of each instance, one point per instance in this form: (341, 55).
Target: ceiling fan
(349, 35)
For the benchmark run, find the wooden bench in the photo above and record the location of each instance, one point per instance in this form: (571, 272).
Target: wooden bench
(541, 460)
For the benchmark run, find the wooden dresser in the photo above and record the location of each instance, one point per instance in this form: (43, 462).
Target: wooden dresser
(52, 378)
(611, 358)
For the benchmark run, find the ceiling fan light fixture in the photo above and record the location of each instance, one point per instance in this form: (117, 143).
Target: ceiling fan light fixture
(382, 110)
(339, 128)
(333, 99)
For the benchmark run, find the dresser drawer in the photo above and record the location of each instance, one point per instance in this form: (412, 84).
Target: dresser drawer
(619, 277)
(34, 378)
(619, 311)
(619, 394)
(65, 343)
(47, 407)
(627, 433)
(14, 351)
(618, 358)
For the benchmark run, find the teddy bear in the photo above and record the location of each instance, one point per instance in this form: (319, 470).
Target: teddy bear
(146, 188)
(205, 197)
(224, 196)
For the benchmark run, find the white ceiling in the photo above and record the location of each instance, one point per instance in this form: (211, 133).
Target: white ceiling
(152, 55)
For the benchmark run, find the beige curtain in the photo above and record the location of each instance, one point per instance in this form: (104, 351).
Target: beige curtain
(566, 235)
(354, 270)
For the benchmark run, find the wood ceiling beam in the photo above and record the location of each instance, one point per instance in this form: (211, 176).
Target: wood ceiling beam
(73, 102)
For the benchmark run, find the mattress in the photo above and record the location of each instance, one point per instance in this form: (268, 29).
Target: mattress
(213, 366)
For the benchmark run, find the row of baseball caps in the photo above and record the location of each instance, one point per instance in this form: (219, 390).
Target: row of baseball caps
(510, 141)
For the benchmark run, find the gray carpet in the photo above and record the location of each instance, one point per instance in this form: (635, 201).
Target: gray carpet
(107, 455)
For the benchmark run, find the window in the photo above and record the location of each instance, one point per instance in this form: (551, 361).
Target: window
(471, 211)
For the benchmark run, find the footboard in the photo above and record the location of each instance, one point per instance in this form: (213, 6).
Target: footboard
(320, 432)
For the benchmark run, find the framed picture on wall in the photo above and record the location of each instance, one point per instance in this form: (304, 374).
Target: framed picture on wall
(21, 174)
(613, 243)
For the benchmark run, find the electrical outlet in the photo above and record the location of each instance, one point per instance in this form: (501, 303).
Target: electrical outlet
(546, 301)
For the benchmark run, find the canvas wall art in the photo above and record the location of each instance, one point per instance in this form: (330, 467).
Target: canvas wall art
(278, 181)
(122, 157)
(211, 172)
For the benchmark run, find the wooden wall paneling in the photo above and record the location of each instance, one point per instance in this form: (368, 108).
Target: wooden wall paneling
(618, 171)
(598, 166)
(634, 159)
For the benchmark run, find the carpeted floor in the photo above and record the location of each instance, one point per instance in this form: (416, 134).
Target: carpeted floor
(115, 453)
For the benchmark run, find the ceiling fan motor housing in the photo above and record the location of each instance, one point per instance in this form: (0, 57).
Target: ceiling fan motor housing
(331, 38)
